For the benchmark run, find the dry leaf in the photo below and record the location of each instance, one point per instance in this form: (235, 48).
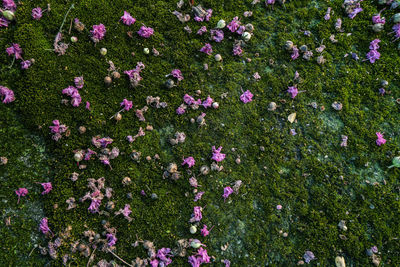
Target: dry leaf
(292, 117)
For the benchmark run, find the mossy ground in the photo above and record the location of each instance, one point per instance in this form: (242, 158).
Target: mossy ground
(302, 172)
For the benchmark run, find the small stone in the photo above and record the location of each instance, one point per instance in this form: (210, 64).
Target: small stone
(262, 148)
(126, 181)
(148, 158)
(384, 83)
(291, 118)
(378, 27)
(192, 120)
(198, 92)
(82, 129)
(204, 170)
(249, 27)
(339, 261)
(303, 48)
(246, 36)
(285, 234)
(149, 128)
(221, 24)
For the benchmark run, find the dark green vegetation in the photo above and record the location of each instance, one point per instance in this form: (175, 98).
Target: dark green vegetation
(302, 172)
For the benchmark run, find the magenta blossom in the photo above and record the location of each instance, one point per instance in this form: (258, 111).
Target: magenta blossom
(44, 227)
(217, 35)
(373, 45)
(37, 13)
(378, 19)
(227, 191)
(295, 53)
(217, 155)
(9, 4)
(189, 161)
(246, 97)
(209, 14)
(380, 141)
(94, 205)
(188, 99)
(202, 30)
(3, 22)
(180, 111)
(145, 32)
(197, 216)
(237, 50)
(7, 94)
(177, 74)
(198, 196)
(208, 102)
(25, 64)
(47, 187)
(207, 48)
(87, 105)
(227, 263)
(21, 192)
(79, 82)
(126, 104)
(127, 19)
(204, 232)
(98, 32)
(234, 24)
(154, 263)
(15, 50)
(293, 91)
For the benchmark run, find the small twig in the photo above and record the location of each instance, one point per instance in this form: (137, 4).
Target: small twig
(116, 113)
(70, 27)
(35, 246)
(91, 257)
(12, 63)
(115, 255)
(65, 17)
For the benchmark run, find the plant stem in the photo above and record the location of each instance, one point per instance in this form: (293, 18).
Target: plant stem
(65, 17)
(115, 255)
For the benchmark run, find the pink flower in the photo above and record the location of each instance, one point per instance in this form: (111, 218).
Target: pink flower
(209, 14)
(227, 191)
(47, 187)
(237, 50)
(87, 105)
(256, 76)
(3, 22)
(374, 44)
(355, 12)
(36, 13)
(196, 217)
(126, 104)
(278, 207)
(189, 161)
(207, 48)
(198, 19)
(194, 261)
(44, 227)
(98, 32)
(227, 263)
(180, 111)
(177, 74)
(293, 91)
(111, 239)
(9, 4)
(234, 24)
(94, 205)
(204, 232)
(7, 94)
(198, 196)
(193, 182)
(269, 2)
(377, 19)
(25, 64)
(217, 155)
(21, 192)
(241, 30)
(154, 263)
(145, 32)
(15, 50)
(127, 210)
(217, 35)
(163, 254)
(203, 255)
(373, 55)
(202, 30)
(188, 99)
(79, 82)
(295, 53)
(380, 141)
(246, 97)
(127, 19)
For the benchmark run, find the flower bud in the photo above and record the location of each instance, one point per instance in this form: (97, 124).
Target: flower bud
(103, 51)
(8, 15)
(221, 24)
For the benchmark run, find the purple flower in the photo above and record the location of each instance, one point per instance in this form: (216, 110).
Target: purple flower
(237, 50)
(295, 53)
(374, 44)
(196, 217)
(111, 239)
(217, 35)
(209, 14)
(208, 102)
(194, 261)
(127, 210)
(246, 97)
(154, 263)
(189, 161)
(380, 141)
(373, 55)
(105, 141)
(374, 249)
(177, 74)
(354, 56)
(9, 4)
(241, 30)
(202, 253)
(188, 99)
(308, 256)
(44, 227)
(47, 187)
(227, 191)
(193, 182)
(163, 254)
(79, 82)
(278, 207)
(87, 105)
(396, 30)
(382, 91)
(377, 19)
(145, 32)
(355, 12)
(15, 50)
(217, 155)
(89, 154)
(293, 132)
(127, 19)
(204, 232)
(180, 111)
(269, 2)
(202, 30)
(328, 14)
(37, 13)
(21, 192)
(198, 19)
(25, 64)
(94, 206)
(3, 22)
(7, 94)
(227, 263)
(98, 32)
(207, 48)
(234, 24)
(198, 196)
(126, 104)
(293, 91)
(344, 140)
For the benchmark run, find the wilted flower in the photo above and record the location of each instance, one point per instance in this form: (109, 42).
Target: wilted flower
(196, 216)
(193, 182)
(177, 74)
(234, 24)
(308, 256)
(145, 32)
(217, 35)
(21, 192)
(47, 187)
(293, 91)
(126, 104)
(217, 155)
(36, 13)
(94, 205)
(189, 161)
(202, 30)
(7, 94)
(44, 227)
(15, 50)
(127, 19)
(111, 239)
